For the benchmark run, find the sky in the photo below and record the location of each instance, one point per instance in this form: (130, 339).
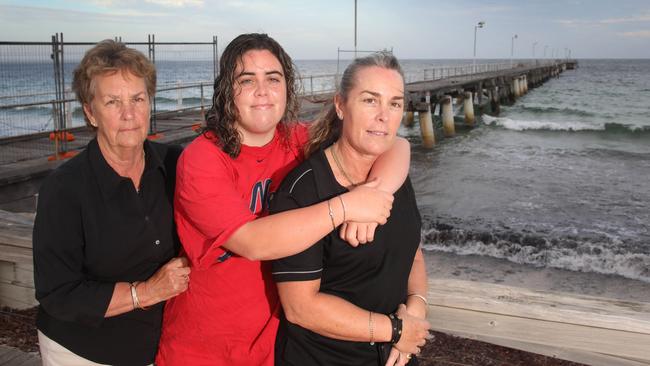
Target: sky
(414, 29)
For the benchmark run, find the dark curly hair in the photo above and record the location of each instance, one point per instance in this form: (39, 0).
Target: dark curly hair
(221, 118)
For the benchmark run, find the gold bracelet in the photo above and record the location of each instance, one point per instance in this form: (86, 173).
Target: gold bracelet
(331, 213)
(371, 329)
(134, 297)
(421, 298)
(342, 205)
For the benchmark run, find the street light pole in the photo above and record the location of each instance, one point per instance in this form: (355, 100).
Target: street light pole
(476, 27)
(355, 29)
(512, 49)
(534, 44)
(545, 47)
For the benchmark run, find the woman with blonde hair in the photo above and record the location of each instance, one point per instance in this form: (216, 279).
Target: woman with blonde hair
(345, 305)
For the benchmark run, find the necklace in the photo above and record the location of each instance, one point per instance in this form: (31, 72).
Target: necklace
(338, 164)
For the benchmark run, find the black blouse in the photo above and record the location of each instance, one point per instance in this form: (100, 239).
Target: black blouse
(373, 276)
(93, 229)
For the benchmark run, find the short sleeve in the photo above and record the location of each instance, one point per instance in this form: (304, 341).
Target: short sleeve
(306, 265)
(208, 207)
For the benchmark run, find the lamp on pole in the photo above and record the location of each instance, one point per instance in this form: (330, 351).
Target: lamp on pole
(534, 44)
(512, 49)
(545, 47)
(476, 27)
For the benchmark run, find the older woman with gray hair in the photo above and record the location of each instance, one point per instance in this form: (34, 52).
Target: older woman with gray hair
(348, 305)
(104, 235)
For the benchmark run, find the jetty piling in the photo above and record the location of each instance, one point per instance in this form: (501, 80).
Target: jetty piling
(447, 112)
(410, 115)
(468, 108)
(426, 124)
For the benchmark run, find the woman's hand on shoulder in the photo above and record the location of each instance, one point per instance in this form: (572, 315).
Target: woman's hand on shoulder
(170, 280)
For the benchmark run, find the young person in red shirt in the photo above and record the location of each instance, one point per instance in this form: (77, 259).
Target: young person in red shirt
(229, 313)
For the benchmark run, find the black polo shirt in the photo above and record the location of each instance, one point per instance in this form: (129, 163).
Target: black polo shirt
(372, 276)
(93, 229)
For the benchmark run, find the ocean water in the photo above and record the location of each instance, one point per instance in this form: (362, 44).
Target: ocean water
(560, 180)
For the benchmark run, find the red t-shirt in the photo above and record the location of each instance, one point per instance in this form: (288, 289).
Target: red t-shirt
(229, 313)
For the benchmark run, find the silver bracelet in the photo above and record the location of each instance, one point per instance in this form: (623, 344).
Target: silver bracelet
(421, 298)
(331, 213)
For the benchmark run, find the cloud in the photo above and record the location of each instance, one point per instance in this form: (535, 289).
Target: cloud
(250, 5)
(636, 34)
(635, 19)
(164, 3)
(641, 18)
(176, 3)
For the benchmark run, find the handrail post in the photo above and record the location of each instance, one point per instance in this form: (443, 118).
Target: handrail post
(202, 104)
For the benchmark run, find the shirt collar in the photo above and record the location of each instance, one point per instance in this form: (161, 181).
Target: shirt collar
(108, 179)
(326, 183)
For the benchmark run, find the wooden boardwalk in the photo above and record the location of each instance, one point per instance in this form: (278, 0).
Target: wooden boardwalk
(585, 329)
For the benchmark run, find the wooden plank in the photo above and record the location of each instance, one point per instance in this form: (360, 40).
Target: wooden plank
(17, 273)
(512, 331)
(17, 239)
(587, 358)
(585, 329)
(16, 229)
(24, 274)
(15, 296)
(22, 218)
(7, 271)
(558, 307)
(10, 253)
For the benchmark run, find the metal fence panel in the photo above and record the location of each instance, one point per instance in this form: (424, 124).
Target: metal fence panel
(39, 113)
